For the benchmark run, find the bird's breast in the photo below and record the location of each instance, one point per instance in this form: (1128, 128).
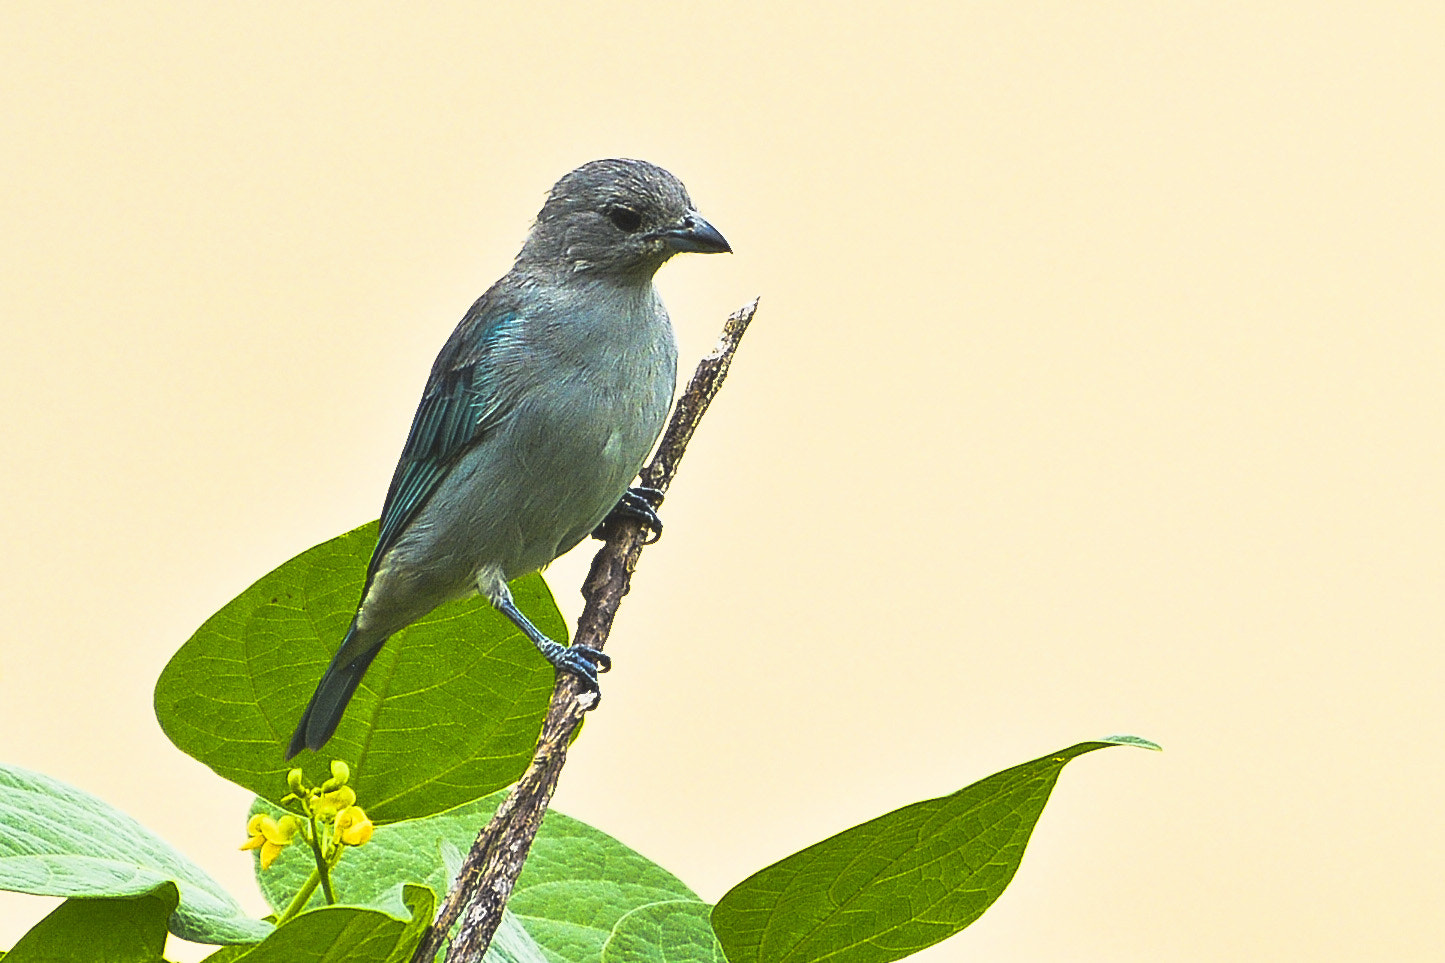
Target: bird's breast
(590, 388)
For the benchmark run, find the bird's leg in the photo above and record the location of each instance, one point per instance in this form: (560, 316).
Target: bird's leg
(582, 661)
(639, 503)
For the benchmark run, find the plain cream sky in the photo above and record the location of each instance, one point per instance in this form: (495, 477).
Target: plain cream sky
(1096, 387)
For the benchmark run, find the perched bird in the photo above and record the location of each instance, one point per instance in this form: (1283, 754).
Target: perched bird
(538, 414)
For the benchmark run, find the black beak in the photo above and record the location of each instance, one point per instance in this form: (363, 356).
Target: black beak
(696, 235)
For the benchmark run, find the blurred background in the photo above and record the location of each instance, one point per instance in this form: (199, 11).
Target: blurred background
(1096, 387)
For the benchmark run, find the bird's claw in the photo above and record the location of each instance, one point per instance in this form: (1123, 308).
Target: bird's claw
(639, 503)
(595, 658)
(584, 662)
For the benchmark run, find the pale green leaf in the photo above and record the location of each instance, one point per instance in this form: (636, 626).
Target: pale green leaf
(576, 886)
(673, 932)
(56, 840)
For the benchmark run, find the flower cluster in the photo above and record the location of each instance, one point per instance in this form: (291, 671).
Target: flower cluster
(326, 817)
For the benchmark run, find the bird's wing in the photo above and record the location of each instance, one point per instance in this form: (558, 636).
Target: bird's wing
(463, 399)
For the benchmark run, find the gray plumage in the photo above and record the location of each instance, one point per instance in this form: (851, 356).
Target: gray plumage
(538, 413)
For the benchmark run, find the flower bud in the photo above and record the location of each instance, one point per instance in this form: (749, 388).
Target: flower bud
(340, 775)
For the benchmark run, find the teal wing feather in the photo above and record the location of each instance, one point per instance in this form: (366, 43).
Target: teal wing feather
(462, 401)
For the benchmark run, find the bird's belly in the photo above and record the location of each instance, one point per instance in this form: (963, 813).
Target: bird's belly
(530, 491)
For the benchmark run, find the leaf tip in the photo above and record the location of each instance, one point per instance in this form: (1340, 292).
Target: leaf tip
(1127, 740)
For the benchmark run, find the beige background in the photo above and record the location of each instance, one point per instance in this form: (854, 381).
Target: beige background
(1096, 388)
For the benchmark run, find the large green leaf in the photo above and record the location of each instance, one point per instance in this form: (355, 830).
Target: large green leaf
(351, 933)
(676, 932)
(58, 841)
(896, 884)
(578, 884)
(118, 930)
(449, 711)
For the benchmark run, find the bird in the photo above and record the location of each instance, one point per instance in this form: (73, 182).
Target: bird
(537, 415)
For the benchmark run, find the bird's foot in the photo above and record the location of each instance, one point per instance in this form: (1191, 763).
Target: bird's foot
(639, 503)
(582, 661)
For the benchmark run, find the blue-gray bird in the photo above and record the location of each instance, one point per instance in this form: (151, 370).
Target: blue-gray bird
(538, 414)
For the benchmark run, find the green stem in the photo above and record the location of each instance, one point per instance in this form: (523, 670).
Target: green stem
(323, 868)
(298, 902)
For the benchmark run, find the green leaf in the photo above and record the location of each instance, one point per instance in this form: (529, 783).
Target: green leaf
(449, 711)
(59, 841)
(574, 889)
(118, 930)
(351, 933)
(896, 884)
(579, 884)
(675, 932)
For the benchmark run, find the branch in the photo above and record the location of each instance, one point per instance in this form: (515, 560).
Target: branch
(491, 868)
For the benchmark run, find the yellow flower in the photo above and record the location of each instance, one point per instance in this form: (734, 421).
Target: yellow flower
(270, 836)
(328, 804)
(352, 826)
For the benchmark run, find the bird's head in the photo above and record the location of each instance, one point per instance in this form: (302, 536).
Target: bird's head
(618, 217)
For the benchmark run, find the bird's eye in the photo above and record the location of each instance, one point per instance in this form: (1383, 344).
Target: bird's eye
(625, 219)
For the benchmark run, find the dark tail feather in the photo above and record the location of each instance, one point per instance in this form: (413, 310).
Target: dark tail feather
(328, 703)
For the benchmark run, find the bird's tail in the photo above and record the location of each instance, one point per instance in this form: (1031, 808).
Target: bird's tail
(328, 703)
